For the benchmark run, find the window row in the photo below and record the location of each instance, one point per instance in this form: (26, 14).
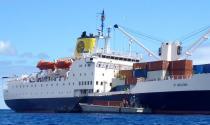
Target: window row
(85, 82)
(119, 58)
(44, 93)
(42, 85)
(102, 83)
(86, 65)
(81, 74)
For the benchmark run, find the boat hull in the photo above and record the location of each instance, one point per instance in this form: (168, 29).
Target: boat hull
(176, 102)
(45, 105)
(111, 109)
(166, 102)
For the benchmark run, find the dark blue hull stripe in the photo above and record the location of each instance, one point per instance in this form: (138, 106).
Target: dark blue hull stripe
(182, 101)
(45, 105)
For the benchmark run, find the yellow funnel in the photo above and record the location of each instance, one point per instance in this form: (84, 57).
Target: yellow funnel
(84, 45)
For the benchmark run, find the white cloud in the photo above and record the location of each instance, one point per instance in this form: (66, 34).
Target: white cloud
(201, 55)
(27, 55)
(31, 55)
(43, 56)
(7, 49)
(4, 63)
(21, 61)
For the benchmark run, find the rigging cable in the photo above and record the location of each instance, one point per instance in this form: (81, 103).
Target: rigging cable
(191, 34)
(144, 35)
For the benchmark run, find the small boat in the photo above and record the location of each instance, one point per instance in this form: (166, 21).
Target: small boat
(91, 108)
(63, 64)
(45, 65)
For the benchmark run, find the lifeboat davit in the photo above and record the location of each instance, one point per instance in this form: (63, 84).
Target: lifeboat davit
(45, 65)
(63, 64)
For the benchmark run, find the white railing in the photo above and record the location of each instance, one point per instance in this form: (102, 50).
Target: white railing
(41, 79)
(120, 54)
(171, 78)
(109, 93)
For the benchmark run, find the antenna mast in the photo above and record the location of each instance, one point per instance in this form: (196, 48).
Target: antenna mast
(102, 22)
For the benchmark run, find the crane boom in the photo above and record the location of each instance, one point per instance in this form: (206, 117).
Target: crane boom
(197, 43)
(132, 38)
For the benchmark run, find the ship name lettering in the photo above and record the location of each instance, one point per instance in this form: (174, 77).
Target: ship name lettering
(180, 84)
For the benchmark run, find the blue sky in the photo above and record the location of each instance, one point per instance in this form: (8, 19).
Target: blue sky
(47, 29)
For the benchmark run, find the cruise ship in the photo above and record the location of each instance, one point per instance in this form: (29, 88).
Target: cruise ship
(169, 84)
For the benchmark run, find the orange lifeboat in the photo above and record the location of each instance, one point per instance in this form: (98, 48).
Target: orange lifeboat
(44, 65)
(63, 64)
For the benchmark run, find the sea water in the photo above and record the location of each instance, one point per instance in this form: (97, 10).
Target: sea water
(8, 117)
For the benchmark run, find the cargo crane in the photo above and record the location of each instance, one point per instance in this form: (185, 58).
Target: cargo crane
(175, 51)
(132, 38)
(196, 44)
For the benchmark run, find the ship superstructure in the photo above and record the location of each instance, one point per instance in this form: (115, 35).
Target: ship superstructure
(102, 77)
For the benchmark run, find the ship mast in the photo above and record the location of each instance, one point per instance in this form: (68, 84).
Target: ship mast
(101, 34)
(102, 22)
